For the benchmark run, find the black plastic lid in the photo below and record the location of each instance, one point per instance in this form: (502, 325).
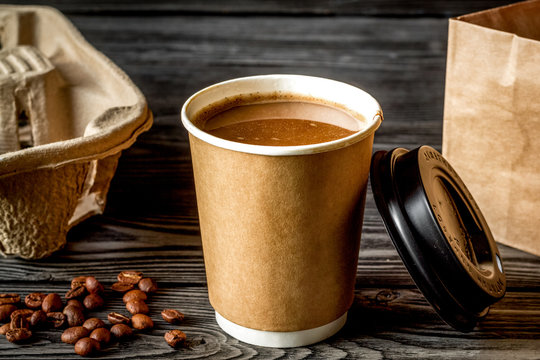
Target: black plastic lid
(439, 232)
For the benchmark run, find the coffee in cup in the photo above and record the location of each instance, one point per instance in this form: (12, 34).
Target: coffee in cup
(278, 121)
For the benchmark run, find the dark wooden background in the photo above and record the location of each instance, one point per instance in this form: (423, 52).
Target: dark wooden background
(396, 50)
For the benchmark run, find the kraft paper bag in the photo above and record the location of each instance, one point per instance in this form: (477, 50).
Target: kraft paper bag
(491, 131)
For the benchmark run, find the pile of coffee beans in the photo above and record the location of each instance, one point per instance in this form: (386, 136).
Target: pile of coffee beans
(135, 300)
(42, 310)
(88, 335)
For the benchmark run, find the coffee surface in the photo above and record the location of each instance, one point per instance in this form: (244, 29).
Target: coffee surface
(282, 123)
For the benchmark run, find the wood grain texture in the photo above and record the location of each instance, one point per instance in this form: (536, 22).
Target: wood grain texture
(394, 50)
(171, 57)
(384, 323)
(412, 8)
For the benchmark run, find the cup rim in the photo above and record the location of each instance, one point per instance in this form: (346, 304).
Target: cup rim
(281, 150)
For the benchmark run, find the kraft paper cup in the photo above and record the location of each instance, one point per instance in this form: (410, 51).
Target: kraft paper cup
(281, 226)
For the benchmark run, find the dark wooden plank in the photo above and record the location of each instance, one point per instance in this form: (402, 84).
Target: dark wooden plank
(399, 61)
(385, 323)
(277, 7)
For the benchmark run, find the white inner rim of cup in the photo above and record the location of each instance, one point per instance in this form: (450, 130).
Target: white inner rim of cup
(348, 96)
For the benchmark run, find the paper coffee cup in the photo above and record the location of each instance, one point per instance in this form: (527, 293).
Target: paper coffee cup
(281, 225)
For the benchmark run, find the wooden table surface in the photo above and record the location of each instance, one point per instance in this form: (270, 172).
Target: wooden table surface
(394, 50)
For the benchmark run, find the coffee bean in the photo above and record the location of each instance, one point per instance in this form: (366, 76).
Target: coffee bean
(86, 346)
(77, 292)
(134, 295)
(172, 316)
(26, 313)
(18, 335)
(148, 285)
(76, 303)
(19, 320)
(102, 335)
(51, 303)
(34, 300)
(73, 334)
(122, 287)
(93, 323)
(4, 328)
(56, 319)
(74, 315)
(130, 277)
(93, 285)
(38, 319)
(121, 331)
(78, 281)
(9, 299)
(175, 338)
(116, 318)
(137, 307)
(6, 311)
(142, 322)
(93, 301)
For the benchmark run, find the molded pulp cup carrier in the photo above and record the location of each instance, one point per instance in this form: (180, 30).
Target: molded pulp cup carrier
(66, 113)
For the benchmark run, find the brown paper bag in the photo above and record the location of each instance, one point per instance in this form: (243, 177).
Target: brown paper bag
(491, 131)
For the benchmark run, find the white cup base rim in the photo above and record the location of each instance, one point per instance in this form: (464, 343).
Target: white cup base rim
(281, 339)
